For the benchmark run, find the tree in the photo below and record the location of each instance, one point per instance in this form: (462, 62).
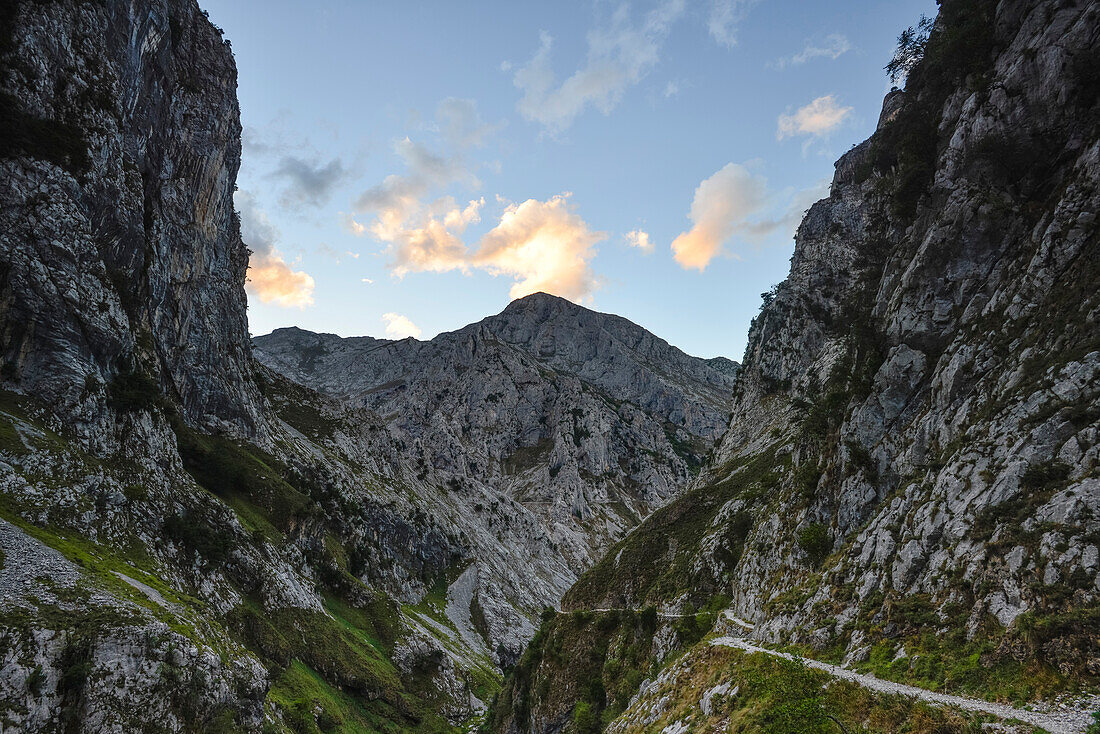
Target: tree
(910, 50)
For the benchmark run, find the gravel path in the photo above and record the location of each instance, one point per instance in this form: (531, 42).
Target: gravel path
(1068, 721)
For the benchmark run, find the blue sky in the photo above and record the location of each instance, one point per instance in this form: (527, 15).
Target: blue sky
(409, 168)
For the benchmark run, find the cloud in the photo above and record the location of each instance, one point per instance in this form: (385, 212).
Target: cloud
(308, 182)
(269, 277)
(734, 202)
(831, 47)
(337, 255)
(253, 143)
(544, 246)
(724, 19)
(461, 125)
(398, 195)
(351, 226)
(400, 327)
(816, 119)
(671, 90)
(619, 56)
(541, 245)
(722, 203)
(368, 281)
(640, 239)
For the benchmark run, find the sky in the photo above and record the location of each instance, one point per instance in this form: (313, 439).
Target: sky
(409, 168)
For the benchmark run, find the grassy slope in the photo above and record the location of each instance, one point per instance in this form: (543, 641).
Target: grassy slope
(331, 671)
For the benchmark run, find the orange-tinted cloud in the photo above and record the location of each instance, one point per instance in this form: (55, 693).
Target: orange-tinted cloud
(733, 203)
(273, 281)
(722, 203)
(269, 276)
(544, 246)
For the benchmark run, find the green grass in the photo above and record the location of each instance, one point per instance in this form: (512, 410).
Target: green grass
(655, 561)
(246, 479)
(340, 662)
(10, 441)
(101, 563)
(1042, 654)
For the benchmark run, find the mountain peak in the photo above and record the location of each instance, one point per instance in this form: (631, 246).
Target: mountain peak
(541, 301)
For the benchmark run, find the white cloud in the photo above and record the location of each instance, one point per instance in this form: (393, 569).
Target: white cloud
(725, 18)
(735, 203)
(831, 47)
(619, 56)
(671, 90)
(269, 277)
(333, 253)
(640, 239)
(817, 119)
(544, 246)
(368, 281)
(399, 326)
(426, 170)
(351, 226)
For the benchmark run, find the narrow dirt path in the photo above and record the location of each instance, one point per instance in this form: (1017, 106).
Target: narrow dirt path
(1057, 722)
(1062, 721)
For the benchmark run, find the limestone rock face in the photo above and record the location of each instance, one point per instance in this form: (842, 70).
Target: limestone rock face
(933, 354)
(547, 431)
(119, 245)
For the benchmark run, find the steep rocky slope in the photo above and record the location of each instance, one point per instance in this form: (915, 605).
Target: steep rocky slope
(173, 556)
(910, 479)
(122, 250)
(585, 419)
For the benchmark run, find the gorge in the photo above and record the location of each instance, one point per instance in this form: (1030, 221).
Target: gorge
(550, 520)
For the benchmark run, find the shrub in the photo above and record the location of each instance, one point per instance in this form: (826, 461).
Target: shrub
(814, 541)
(132, 391)
(195, 534)
(1043, 476)
(585, 719)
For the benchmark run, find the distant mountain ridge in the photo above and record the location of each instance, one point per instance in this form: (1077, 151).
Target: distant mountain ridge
(583, 420)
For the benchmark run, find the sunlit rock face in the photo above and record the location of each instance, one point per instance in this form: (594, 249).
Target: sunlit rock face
(547, 430)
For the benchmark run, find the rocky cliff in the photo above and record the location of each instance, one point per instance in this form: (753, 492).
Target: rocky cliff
(909, 483)
(121, 249)
(546, 432)
(173, 556)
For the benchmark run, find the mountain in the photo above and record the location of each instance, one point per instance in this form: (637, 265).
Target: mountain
(909, 483)
(192, 541)
(550, 424)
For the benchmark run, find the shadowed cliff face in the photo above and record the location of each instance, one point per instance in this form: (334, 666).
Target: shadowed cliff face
(120, 252)
(914, 442)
